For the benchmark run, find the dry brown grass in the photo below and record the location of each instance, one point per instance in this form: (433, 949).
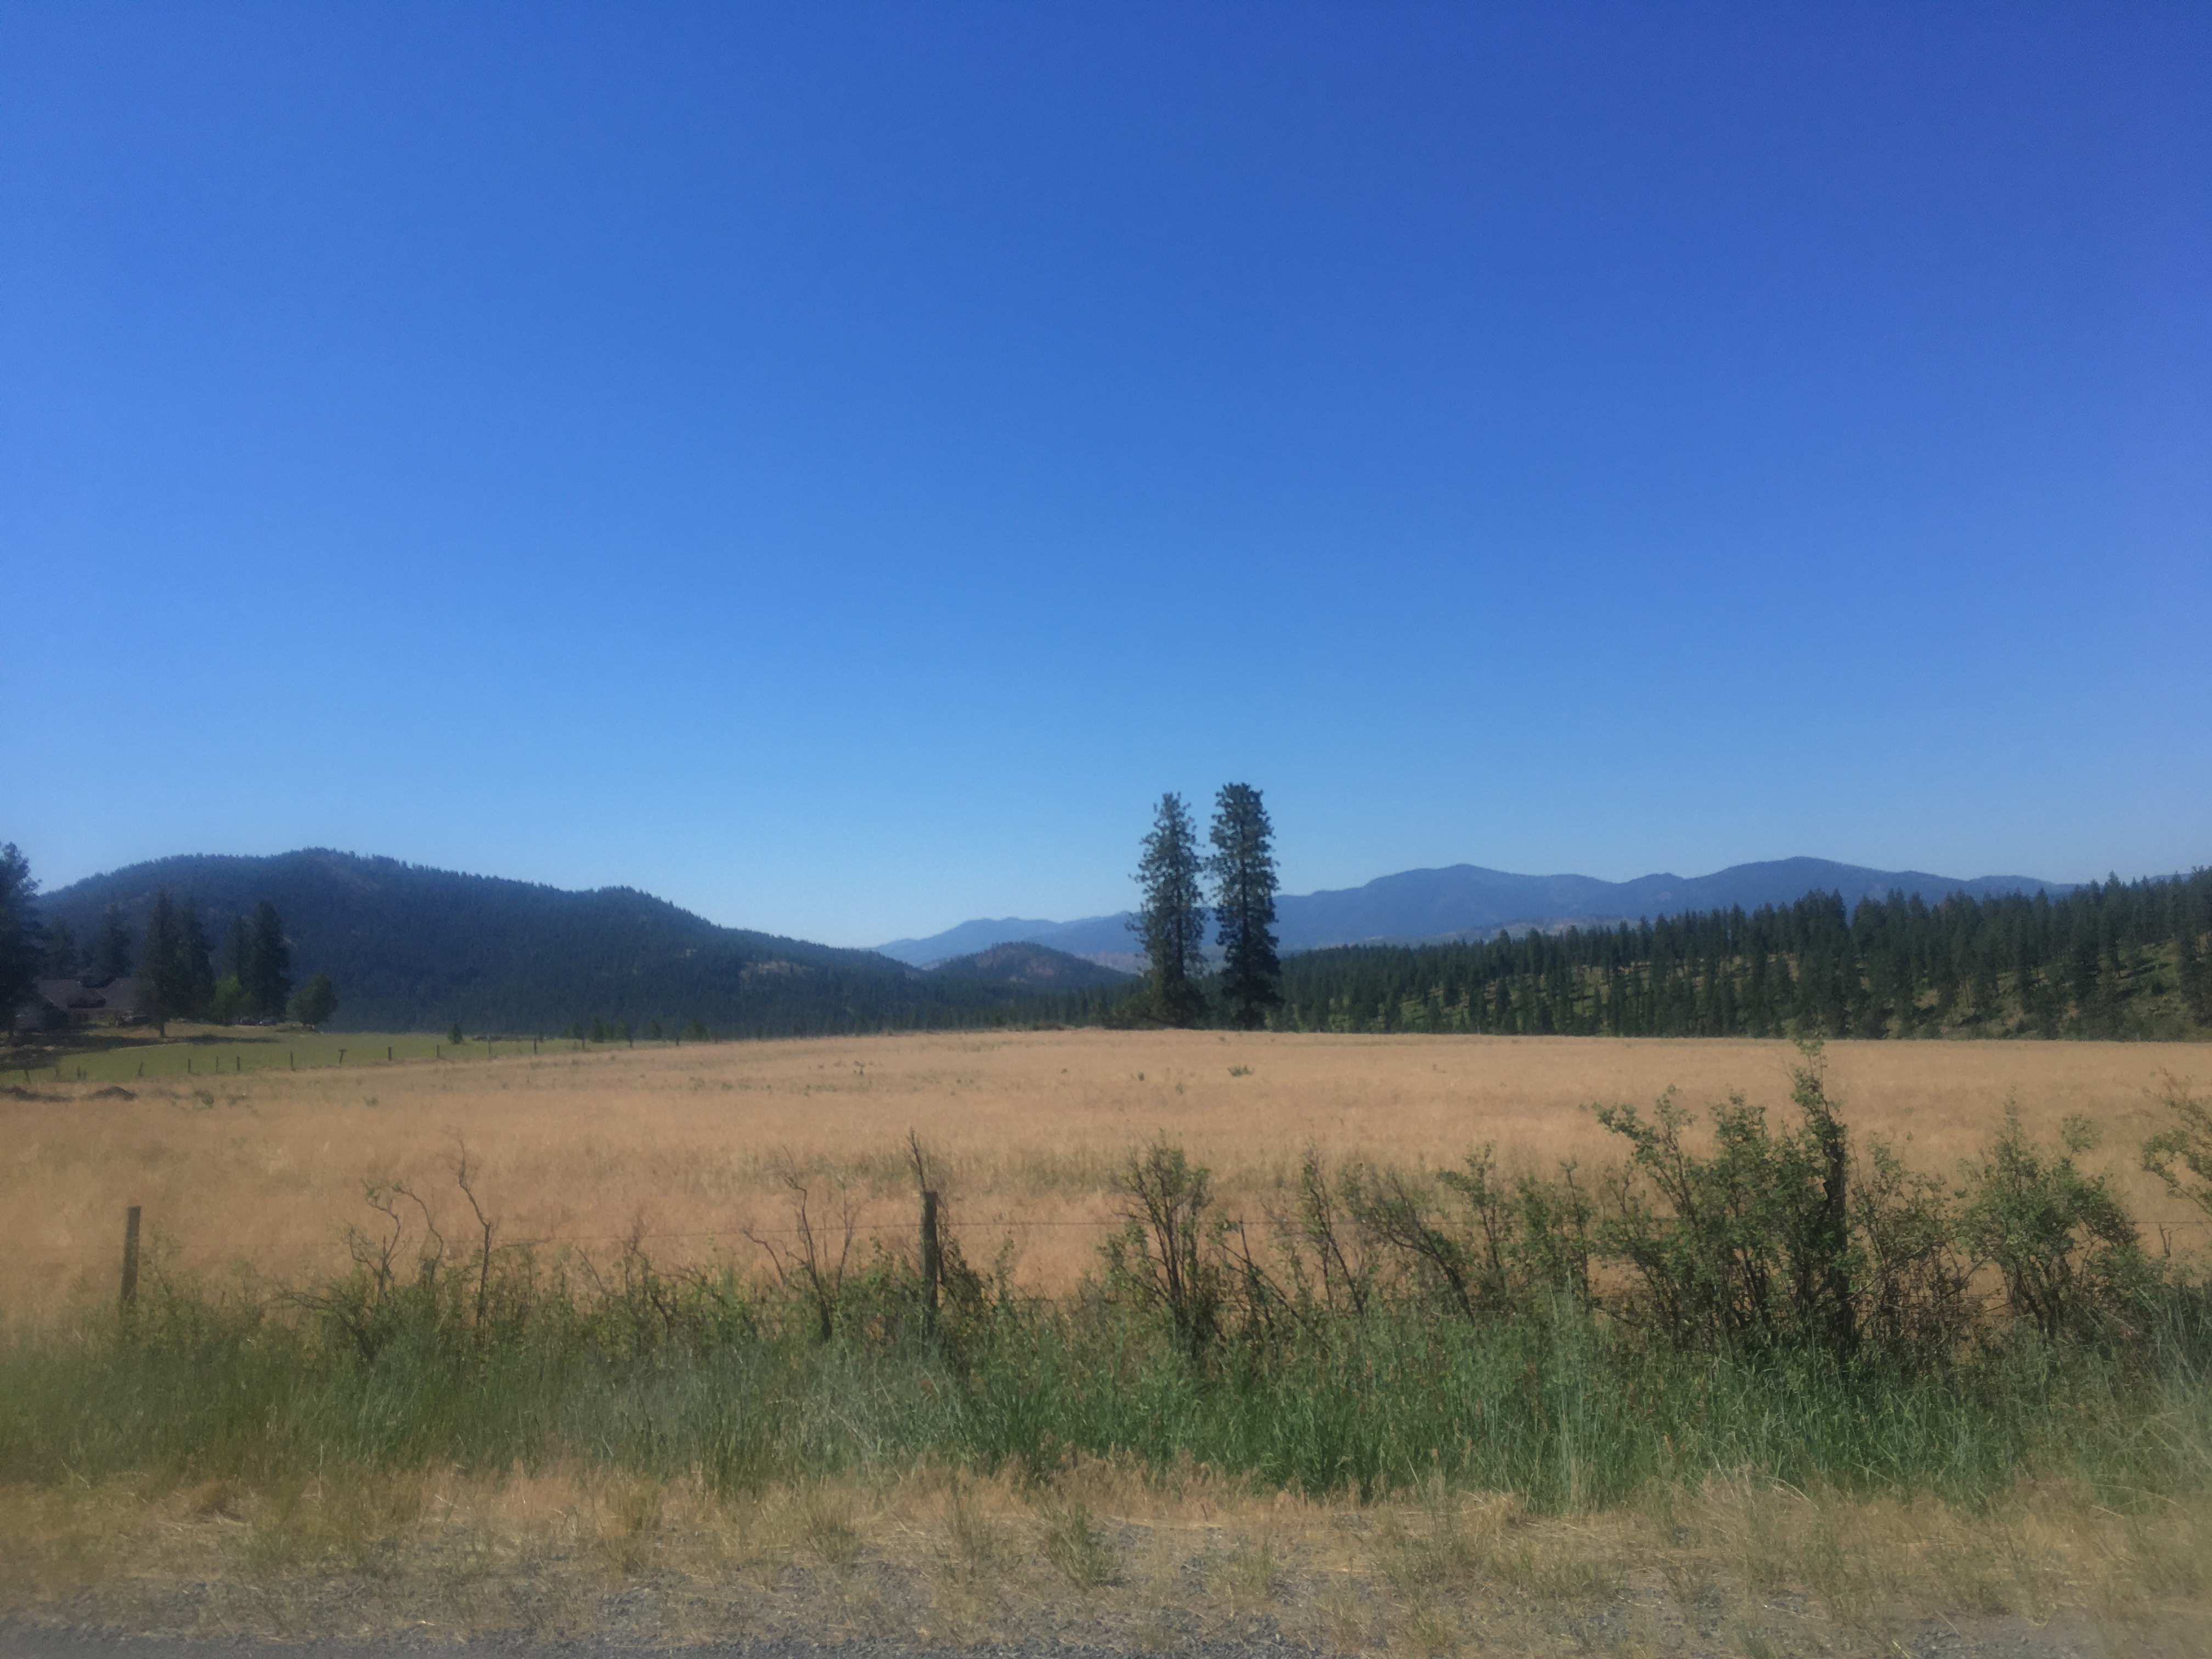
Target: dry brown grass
(940, 1560)
(690, 1144)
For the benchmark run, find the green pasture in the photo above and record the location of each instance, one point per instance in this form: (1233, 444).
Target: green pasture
(205, 1051)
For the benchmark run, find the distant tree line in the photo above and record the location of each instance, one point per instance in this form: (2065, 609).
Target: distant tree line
(421, 950)
(2111, 960)
(2106, 960)
(173, 962)
(178, 978)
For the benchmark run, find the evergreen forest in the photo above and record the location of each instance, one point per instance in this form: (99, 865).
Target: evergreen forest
(2111, 960)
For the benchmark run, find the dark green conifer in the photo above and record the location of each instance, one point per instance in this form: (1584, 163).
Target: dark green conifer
(269, 977)
(199, 962)
(1244, 883)
(1170, 919)
(19, 932)
(62, 957)
(164, 973)
(1987, 999)
(111, 955)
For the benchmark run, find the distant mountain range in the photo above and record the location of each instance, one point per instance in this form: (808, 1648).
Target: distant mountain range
(411, 948)
(1464, 901)
(414, 948)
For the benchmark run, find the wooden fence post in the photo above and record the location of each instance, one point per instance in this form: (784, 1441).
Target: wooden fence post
(932, 1260)
(129, 1257)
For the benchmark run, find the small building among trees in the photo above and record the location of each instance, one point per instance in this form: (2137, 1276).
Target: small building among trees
(58, 1005)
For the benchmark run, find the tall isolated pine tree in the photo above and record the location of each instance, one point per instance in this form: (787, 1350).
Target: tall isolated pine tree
(1170, 919)
(1243, 871)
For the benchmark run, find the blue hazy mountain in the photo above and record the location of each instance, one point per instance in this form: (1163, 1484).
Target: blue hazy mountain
(1464, 899)
(970, 937)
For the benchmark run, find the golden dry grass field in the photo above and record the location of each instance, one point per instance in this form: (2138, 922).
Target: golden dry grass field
(691, 1145)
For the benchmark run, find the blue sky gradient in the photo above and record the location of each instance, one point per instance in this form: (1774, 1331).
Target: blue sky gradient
(833, 467)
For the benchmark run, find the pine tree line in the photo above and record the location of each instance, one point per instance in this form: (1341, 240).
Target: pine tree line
(177, 977)
(2110, 960)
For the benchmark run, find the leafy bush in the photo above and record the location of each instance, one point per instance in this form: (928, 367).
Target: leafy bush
(2064, 1243)
(2186, 1141)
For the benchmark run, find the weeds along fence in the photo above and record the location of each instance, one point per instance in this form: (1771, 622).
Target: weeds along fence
(1765, 1297)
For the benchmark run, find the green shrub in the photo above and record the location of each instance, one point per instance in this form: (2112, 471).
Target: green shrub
(2064, 1243)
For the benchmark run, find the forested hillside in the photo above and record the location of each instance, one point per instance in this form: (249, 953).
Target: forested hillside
(2113, 960)
(1037, 967)
(411, 948)
(416, 949)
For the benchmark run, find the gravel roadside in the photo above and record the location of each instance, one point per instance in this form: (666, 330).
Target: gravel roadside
(1993, 1639)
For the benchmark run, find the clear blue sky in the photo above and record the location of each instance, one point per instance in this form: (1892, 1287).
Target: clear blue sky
(836, 465)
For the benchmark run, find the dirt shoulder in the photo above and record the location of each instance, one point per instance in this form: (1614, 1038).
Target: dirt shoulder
(1988, 1639)
(1099, 1562)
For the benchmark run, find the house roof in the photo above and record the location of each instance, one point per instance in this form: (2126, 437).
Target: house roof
(79, 995)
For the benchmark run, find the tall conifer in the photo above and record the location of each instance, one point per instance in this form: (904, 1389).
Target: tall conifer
(165, 974)
(1243, 871)
(1171, 919)
(199, 963)
(19, 932)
